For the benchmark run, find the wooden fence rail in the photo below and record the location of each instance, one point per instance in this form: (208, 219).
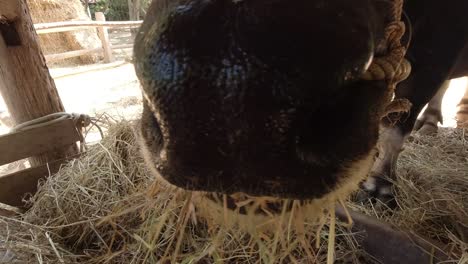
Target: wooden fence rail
(53, 27)
(102, 30)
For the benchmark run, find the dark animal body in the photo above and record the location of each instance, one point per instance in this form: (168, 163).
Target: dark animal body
(438, 52)
(265, 97)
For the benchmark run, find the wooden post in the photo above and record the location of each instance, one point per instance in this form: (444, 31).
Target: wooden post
(27, 88)
(104, 36)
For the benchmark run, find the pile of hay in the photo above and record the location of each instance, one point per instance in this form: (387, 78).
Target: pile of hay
(44, 11)
(106, 207)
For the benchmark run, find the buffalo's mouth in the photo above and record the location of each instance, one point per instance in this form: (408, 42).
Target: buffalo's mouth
(238, 98)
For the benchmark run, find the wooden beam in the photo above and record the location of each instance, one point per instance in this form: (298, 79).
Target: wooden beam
(7, 78)
(9, 10)
(34, 94)
(44, 28)
(77, 53)
(14, 186)
(29, 91)
(38, 140)
(92, 68)
(71, 54)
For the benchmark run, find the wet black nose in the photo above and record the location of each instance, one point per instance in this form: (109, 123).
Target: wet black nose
(236, 92)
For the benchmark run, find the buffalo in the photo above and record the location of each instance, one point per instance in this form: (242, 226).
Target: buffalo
(265, 97)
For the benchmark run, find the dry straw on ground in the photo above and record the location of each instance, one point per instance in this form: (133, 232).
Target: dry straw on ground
(107, 208)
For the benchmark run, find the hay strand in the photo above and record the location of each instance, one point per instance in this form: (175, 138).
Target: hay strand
(331, 238)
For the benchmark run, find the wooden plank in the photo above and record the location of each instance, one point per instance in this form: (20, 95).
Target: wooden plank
(44, 28)
(77, 53)
(9, 10)
(14, 186)
(70, 54)
(35, 141)
(91, 68)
